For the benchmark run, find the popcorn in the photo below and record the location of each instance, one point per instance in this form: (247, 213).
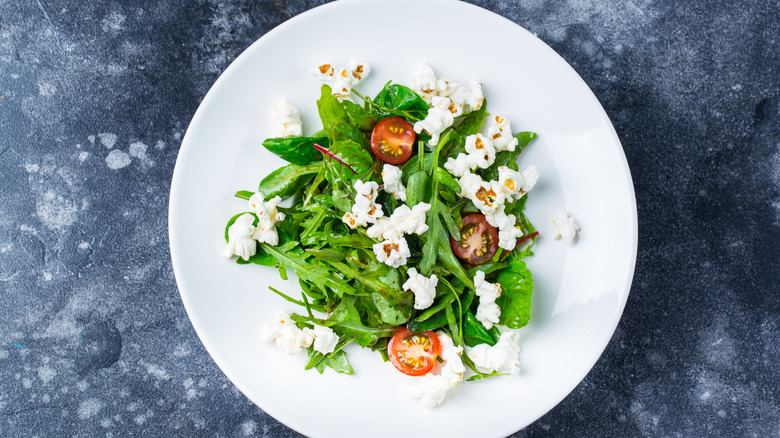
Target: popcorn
(403, 221)
(565, 227)
(393, 253)
(501, 356)
(391, 178)
(488, 311)
(424, 288)
(240, 240)
(267, 216)
(341, 80)
(437, 120)
(499, 130)
(481, 151)
(364, 211)
(287, 120)
(431, 388)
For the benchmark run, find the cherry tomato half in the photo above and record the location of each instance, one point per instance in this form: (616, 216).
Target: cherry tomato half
(413, 353)
(392, 140)
(478, 240)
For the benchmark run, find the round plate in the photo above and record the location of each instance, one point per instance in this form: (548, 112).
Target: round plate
(580, 289)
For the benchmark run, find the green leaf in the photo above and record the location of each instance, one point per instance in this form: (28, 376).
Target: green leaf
(332, 112)
(296, 150)
(346, 319)
(399, 97)
(317, 274)
(337, 361)
(508, 158)
(360, 163)
(472, 122)
(288, 180)
(515, 300)
(447, 180)
(345, 131)
(474, 333)
(359, 116)
(418, 188)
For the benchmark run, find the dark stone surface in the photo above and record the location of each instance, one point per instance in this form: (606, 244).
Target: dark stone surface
(94, 339)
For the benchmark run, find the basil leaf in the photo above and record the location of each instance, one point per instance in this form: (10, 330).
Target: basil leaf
(515, 300)
(296, 150)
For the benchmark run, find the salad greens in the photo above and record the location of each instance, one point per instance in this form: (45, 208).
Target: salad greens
(341, 283)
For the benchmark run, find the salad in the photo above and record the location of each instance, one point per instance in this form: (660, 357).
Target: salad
(405, 229)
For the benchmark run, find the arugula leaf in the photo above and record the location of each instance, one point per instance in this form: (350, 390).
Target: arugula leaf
(346, 319)
(288, 180)
(515, 300)
(508, 158)
(337, 361)
(296, 150)
(315, 273)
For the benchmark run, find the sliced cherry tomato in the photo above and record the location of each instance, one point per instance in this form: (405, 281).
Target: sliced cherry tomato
(478, 240)
(413, 353)
(392, 140)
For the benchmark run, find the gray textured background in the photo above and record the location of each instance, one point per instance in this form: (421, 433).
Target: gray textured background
(95, 97)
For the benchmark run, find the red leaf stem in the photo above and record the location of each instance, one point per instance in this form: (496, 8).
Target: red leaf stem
(331, 155)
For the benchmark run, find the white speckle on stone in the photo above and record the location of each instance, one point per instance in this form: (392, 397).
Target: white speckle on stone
(248, 428)
(82, 385)
(106, 423)
(55, 211)
(159, 145)
(91, 139)
(46, 89)
(46, 399)
(89, 408)
(83, 245)
(181, 350)
(157, 372)
(47, 276)
(27, 383)
(117, 159)
(31, 168)
(15, 76)
(46, 374)
(737, 87)
(83, 156)
(3, 354)
(113, 22)
(177, 135)
(138, 150)
(107, 139)
(140, 419)
(28, 229)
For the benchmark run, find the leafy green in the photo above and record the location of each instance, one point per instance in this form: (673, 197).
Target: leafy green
(474, 333)
(517, 285)
(288, 180)
(332, 112)
(296, 150)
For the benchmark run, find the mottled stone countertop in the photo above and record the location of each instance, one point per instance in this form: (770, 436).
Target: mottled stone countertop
(95, 97)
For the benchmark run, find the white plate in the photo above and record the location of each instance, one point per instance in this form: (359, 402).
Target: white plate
(580, 290)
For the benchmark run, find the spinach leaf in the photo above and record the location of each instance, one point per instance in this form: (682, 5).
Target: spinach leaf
(359, 116)
(515, 300)
(332, 112)
(288, 180)
(472, 122)
(296, 150)
(399, 97)
(474, 333)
